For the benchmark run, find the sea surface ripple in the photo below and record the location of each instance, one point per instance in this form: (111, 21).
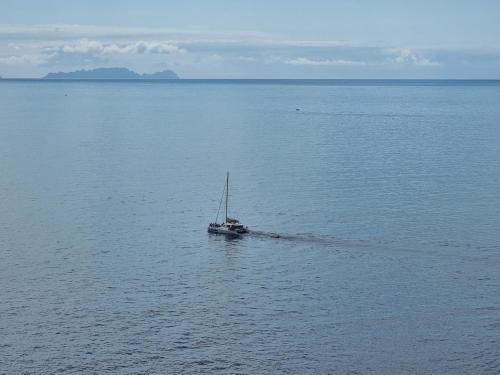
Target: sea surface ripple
(374, 215)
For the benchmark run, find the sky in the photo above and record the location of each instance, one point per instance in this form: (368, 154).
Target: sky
(254, 39)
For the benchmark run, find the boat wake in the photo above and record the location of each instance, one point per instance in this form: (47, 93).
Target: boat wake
(326, 240)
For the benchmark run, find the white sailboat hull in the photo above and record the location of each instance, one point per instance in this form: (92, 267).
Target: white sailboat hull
(227, 229)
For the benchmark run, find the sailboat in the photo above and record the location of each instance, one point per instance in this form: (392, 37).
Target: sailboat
(229, 226)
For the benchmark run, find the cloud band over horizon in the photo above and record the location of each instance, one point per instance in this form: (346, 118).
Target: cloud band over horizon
(32, 51)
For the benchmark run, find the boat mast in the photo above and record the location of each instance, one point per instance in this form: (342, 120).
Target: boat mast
(227, 191)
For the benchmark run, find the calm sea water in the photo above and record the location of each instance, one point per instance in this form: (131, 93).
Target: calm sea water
(386, 194)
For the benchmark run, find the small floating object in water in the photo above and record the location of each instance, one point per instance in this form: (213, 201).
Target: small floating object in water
(297, 109)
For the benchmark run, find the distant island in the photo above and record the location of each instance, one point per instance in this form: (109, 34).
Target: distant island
(111, 73)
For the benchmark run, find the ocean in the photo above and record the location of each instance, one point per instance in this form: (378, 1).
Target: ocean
(385, 196)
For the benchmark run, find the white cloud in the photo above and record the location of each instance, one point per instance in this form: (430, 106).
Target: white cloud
(34, 59)
(85, 46)
(327, 62)
(55, 32)
(245, 58)
(405, 56)
(62, 31)
(198, 52)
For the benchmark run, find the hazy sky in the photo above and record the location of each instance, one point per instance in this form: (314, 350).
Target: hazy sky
(254, 39)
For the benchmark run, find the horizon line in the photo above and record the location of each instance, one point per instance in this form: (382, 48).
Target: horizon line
(242, 79)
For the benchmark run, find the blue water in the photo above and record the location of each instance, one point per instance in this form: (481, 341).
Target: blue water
(385, 194)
